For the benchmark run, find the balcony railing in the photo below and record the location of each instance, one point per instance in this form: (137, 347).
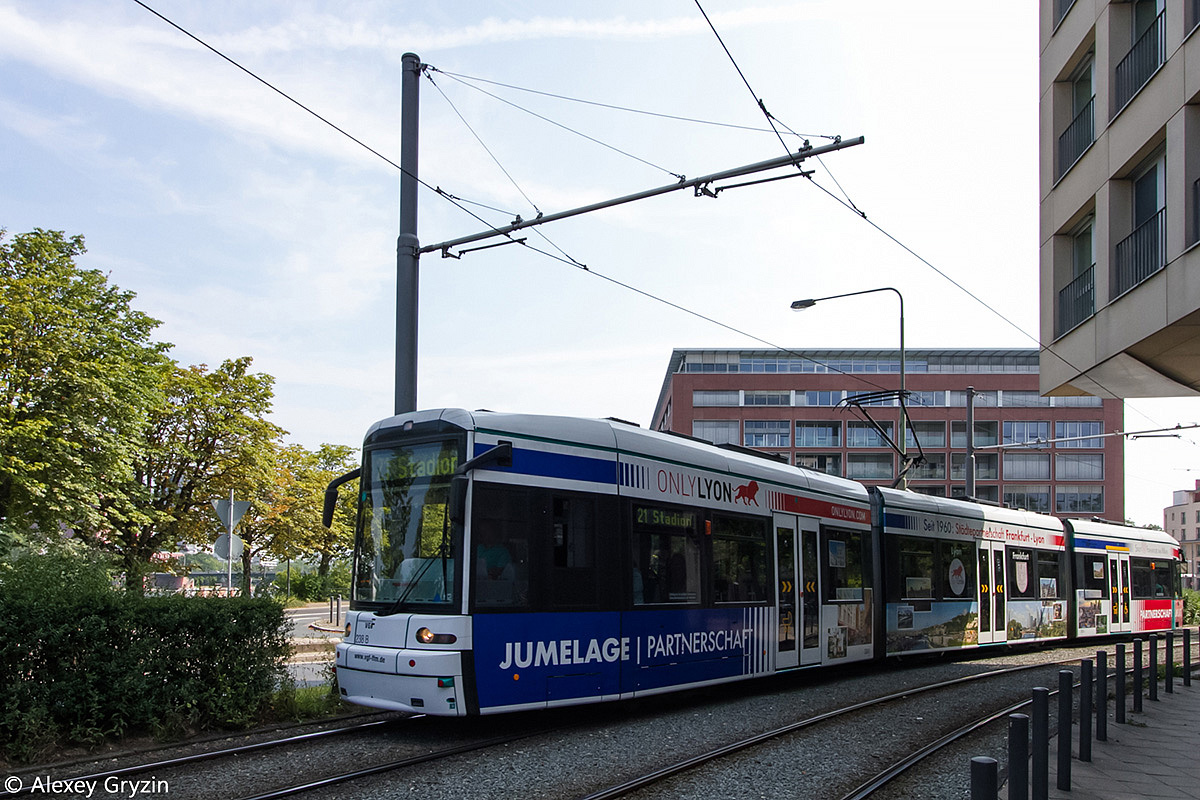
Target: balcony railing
(1195, 208)
(1140, 63)
(1140, 255)
(1076, 301)
(1061, 7)
(1078, 137)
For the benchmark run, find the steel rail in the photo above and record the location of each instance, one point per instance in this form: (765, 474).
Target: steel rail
(227, 752)
(903, 765)
(630, 786)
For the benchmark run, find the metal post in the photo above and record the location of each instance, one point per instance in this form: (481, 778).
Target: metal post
(408, 245)
(1041, 743)
(338, 619)
(902, 441)
(1101, 695)
(330, 617)
(1066, 680)
(1154, 667)
(1170, 659)
(1018, 757)
(1085, 710)
(1137, 676)
(970, 482)
(1187, 656)
(985, 784)
(1120, 705)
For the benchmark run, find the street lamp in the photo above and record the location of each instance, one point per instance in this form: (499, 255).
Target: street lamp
(901, 440)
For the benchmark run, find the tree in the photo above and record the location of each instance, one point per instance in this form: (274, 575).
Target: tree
(285, 515)
(208, 433)
(78, 375)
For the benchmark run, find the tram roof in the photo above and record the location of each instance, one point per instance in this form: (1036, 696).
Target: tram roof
(929, 504)
(1097, 527)
(629, 438)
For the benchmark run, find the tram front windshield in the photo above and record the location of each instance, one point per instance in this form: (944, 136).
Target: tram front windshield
(405, 544)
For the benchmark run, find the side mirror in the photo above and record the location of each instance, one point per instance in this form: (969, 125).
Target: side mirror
(458, 499)
(331, 492)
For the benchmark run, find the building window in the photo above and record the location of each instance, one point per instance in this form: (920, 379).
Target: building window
(1143, 252)
(958, 399)
(1081, 132)
(987, 434)
(829, 463)
(934, 468)
(768, 398)
(864, 434)
(932, 491)
(926, 399)
(1035, 497)
(717, 431)
(818, 398)
(986, 468)
(1078, 499)
(1079, 467)
(1026, 466)
(1025, 400)
(1077, 300)
(1146, 54)
(1020, 432)
(1074, 431)
(929, 434)
(870, 466)
(818, 434)
(708, 399)
(768, 433)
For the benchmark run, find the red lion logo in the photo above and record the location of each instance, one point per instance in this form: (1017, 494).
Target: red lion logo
(748, 493)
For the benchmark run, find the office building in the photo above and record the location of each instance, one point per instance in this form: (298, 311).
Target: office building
(1119, 178)
(793, 404)
(1182, 520)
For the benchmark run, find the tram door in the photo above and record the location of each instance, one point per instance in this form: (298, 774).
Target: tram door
(1118, 593)
(786, 547)
(798, 640)
(993, 618)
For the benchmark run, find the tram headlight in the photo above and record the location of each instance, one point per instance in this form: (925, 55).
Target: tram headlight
(348, 629)
(426, 636)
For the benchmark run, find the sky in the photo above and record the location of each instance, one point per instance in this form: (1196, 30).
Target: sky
(248, 226)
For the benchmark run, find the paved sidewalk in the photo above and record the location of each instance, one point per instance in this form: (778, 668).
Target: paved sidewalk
(1154, 756)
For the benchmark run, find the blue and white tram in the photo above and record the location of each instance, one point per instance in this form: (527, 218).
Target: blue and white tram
(507, 562)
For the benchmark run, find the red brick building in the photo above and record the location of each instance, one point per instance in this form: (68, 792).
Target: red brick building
(792, 403)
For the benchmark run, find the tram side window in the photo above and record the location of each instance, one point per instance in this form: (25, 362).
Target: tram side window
(666, 556)
(573, 580)
(1090, 572)
(916, 568)
(1034, 574)
(847, 566)
(1151, 578)
(957, 569)
(1022, 570)
(500, 536)
(1050, 582)
(740, 567)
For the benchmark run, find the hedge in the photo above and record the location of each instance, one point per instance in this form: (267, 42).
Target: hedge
(83, 662)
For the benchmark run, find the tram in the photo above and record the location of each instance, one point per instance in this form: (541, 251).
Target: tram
(505, 562)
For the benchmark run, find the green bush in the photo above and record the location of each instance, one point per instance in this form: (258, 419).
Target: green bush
(1191, 607)
(84, 662)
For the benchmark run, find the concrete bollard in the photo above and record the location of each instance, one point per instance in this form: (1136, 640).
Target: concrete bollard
(1101, 696)
(1153, 667)
(1085, 709)
(1137, 676)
